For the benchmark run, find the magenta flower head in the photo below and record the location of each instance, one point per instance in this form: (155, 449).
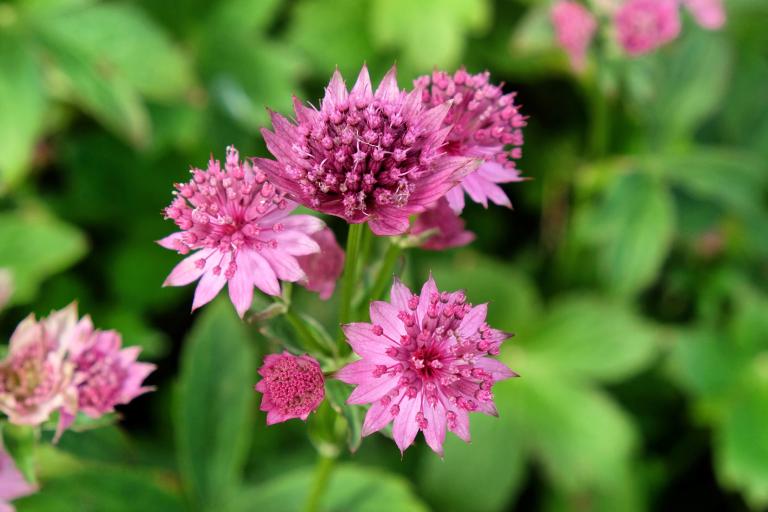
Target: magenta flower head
(424, 365)
(104, 375)
(484, 123)
(448, 228)
(291, 386)
(237, 227)
(12, 483)
(575, 27)
(323, 268)
(644, 25)
(365, 156)
(710, 14)
(35, 376)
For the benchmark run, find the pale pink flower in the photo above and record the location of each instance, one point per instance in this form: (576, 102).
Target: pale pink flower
(104, 375)
(575, 27)
(323, 268)
(365, 156)
(448, 226)
(12, 483)
(710, 14)
(6, 286)
(484, 123)
(35, 376)
(644, 25)
(291, 386)
(237, 226)
(424, 364)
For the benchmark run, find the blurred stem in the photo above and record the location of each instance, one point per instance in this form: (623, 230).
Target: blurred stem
(598, 137)
(349, 278)
(302, 331)
(323, 470)
(386, 270)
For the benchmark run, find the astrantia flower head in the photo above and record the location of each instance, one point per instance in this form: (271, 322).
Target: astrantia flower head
(323, 268)
(644, 25)
(365, 156)
(104, 374)
(575, 27)
(710, 14)
(425, 364)
(447, 225)
(12, 482)
(291, 386)
(35, 376)
(484, 123)
(237, 226)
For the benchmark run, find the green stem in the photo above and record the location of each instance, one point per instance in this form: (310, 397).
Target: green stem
(386, 270)
(598, 137)
(302, 331)
(349, 278)
(323, 471)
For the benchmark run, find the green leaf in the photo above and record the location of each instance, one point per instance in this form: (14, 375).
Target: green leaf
(20, 442)
(337, 393)
(22, 103)
(429, 32)
(485, 475)
(120, 40)
(636, 224)
(588, 337)
(351, 487)
(35, 247)
(214, 405)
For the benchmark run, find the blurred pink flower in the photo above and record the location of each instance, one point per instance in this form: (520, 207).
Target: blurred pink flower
(365, 156)
(35, 376)
(484, 123)
(104, 375)
(710, 14)
(323, 268)
(424, 364)
(644, 25)
(291, 386)
(12, 483)
(238, 225)
(449, 227)
(575, 27)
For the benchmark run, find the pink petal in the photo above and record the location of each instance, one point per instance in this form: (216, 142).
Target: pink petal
(405, 428)
(241, 291)
(336, 92)
(208, 287)
(366, 344)
(286, 267)
(262, 274)
(473, 320)
(455, 198)
(388, 89)
(377, 417)
(382, 225)
(169, 242)
(385, 315)
(497, 369)
(373, 389)
(427, 290)
(305, 223)
(187, 270)
(435, 431)
(363, 87)
(400, 295)
(356, 372)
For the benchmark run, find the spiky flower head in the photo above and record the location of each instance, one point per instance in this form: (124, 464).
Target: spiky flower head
(365, 156)
(575, 26)
(35, 376)
(710, 14)
(484, 123)
(447, 226)
(291, 386)
(236, 229)
(425, 364)
(323, 268)
(645, 25)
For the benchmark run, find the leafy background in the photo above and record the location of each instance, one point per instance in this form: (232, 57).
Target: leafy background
(633, 268)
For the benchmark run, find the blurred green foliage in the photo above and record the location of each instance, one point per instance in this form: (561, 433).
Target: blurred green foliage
(633, 268)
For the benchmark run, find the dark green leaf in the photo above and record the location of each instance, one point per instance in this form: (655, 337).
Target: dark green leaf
(20, 442)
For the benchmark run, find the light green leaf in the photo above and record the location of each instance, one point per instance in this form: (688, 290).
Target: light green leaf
(593, 338)
(214, 405)
(22, 105)
(20, 441)
(35, 247)
(351, 487)
(337, 393)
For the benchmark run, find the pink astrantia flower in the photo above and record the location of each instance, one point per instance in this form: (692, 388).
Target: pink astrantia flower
(448, 226)
(424, 364)
(644, 25)
(104, 375)
(710, 14)
(575, 27)
(291, 386)
(237, 226)
(12, 483)
(6, 286)
(484, 123)
(323, 268)
(35, 376)
(365, 156)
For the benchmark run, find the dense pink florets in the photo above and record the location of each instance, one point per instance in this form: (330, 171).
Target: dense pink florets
(238, 225)
(484, 123)
(575, 27)
(425, 364)
(448, 228)
(644, 25)
(365, 156)
(292, 386)
(323, 268)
